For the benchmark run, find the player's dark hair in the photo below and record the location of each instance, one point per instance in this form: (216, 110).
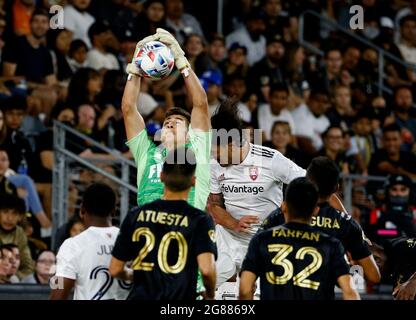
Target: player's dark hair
(301, 198)
(99, 200)
(178, 169)
(318, 90)
(324, 173)
(394, 127)
(178, 111)
(226, 121)
(12, 202)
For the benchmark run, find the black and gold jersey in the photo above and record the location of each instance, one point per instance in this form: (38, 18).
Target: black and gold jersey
(401, 255)
(295, 262)
(334, 223)
(163, 239)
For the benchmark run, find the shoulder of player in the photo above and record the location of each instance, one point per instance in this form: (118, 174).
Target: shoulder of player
(328, 211)
(261, 151)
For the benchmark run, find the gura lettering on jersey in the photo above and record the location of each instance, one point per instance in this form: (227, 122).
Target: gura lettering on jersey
(242, 189)
(163, 218)
(324, 222)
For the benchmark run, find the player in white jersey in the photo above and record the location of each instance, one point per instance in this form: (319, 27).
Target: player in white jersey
(82, 261)
(246, 183)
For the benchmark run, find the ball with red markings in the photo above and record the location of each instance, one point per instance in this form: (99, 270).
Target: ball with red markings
(154, 61)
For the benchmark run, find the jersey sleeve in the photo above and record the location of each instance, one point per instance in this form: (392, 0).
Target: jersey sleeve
(140, 146)
(214, 183)
(124, 248)
(285, 170)
(339, 265)
(205, 237)
(201, 144)
(355, 242)
(252, 260)
(66, 261)
(274, 219)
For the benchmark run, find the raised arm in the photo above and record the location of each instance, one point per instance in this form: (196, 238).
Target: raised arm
(200, 115)
(200, 118)
(133, 121)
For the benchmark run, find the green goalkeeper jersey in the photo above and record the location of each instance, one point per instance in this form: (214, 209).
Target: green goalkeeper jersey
(149, 160)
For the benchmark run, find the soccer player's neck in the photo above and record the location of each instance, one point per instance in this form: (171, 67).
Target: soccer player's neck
(172, 195)
(322, 200)
(91, 221)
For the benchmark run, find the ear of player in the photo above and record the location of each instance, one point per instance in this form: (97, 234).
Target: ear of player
(181, 62)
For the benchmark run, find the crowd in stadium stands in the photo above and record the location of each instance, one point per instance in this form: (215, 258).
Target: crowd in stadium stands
(305, 104)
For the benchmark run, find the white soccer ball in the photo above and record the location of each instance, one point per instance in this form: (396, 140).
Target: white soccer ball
(154, 61)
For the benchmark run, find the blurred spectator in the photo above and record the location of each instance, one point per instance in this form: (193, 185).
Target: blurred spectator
(331, 74)
(312, 121)
(236, 62)
(276, 21)
(211, 81)
(269, 70)
(29, 57)
(193, 47)
(99, 57)
(251, 36)
(390, 159)
(275, 110)
(5, 264)
(151, 18)
(362, 145)
(12, 210)
(15, 143)
(351, 58)
(396, 73)
(72, 228)
(341, 112)
(78, 20)
(407, 42)
(14, 261)
(281, 141)
(22, 11)
(215, 54)
(6, 187)
(44, 268)
(182, 24)
(396, 218)
(77, 56)
(295, 71)
(236, 87)
(84, 87)
(59, 42)
(26, 190)
(403, 102)
(333, 148)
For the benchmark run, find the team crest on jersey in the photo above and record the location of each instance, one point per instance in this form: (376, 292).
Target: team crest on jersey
(221, 177)
(253, 173)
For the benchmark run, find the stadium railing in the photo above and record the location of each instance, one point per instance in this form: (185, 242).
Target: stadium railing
(382, 54)
(65, 163)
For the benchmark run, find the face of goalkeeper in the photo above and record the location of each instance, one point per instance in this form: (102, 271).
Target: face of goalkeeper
(174, 131)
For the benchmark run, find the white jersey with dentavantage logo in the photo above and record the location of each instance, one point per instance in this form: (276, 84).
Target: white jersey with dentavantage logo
(85, 258)
(254, 187)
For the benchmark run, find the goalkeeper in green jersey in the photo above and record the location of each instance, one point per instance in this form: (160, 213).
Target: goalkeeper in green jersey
(179, 128)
